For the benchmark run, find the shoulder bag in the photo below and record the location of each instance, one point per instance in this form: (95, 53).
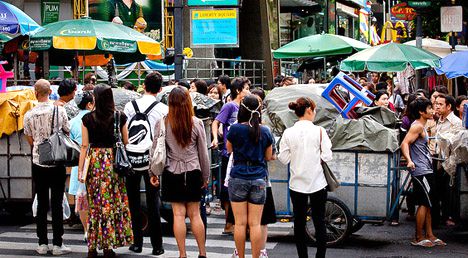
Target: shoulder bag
(59, 148)
(158, 158)
(121, 164)
(329, 176)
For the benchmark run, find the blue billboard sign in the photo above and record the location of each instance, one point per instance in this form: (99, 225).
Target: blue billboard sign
(212, 2)
(217, 28)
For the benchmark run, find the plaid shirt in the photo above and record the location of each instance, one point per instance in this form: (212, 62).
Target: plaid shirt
(37, 122)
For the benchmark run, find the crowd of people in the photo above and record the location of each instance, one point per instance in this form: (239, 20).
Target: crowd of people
(109, 205)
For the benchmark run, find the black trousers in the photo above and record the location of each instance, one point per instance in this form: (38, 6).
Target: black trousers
(153, 203)
(52, 178)
(442, 196)
(317, 205)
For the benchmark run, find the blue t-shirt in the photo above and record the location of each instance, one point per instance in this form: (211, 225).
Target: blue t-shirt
(245, 150)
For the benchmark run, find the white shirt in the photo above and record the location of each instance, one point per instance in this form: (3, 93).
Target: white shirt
(143, 103)
(300, 146)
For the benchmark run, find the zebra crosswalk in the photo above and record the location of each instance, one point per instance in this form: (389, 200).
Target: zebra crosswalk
(22, 241)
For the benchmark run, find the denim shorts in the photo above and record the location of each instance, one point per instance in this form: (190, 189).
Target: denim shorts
(252, 191)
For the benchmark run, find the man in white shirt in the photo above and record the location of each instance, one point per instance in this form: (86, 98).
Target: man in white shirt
(152, 85)
(448, 123)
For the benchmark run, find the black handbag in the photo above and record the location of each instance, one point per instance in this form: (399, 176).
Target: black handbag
(332, 182)
(122, 164)
(59, 148)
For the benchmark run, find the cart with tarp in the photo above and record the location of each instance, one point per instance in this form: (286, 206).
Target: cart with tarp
(365, 161)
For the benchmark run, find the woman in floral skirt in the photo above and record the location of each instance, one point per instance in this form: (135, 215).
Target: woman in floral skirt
(109, 223)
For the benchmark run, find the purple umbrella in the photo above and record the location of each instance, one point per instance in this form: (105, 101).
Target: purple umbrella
(14, 21)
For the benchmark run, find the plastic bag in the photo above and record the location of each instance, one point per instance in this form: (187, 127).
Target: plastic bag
(65, 206)
(81, 198)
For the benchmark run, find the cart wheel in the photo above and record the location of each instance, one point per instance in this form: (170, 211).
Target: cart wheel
(338, 222)
(357, 225)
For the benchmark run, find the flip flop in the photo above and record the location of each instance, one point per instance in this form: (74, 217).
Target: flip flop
(423, 243)
(439, 242)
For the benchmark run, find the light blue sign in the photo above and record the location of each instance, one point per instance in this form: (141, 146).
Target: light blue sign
(214, 27)
(213, 2)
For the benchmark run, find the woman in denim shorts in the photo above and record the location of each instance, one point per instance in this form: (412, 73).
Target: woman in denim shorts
(251, 144)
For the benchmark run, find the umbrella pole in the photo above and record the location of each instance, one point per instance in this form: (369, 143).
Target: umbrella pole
(15, 68)
(324, 67)
(84, 65)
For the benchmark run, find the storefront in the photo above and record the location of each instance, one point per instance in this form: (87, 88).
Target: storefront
(301, 18)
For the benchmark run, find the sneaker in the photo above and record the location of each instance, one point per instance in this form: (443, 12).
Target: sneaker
(263, 253)
(42, 249)
(235, 254)
(61, 250)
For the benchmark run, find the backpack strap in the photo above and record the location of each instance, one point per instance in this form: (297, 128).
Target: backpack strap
(135, 106)
(151, 107)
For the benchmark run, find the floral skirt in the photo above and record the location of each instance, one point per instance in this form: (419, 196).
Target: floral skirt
(109, 221)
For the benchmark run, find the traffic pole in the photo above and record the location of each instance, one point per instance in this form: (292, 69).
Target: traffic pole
(178, 38)
(419, 36)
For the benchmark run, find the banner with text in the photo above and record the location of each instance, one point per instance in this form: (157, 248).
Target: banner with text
(218, 28)
(50, 11)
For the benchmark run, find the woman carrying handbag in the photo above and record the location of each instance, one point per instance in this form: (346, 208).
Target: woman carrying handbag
(186, 168)
(109, 222)
(305, 146)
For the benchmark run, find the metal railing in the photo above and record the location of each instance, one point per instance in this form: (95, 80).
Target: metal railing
(211, 68)
(193, 68)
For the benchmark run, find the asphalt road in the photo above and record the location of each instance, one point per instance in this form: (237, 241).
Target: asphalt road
(18, 239)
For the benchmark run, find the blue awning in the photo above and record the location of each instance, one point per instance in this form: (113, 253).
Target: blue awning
(360, 2)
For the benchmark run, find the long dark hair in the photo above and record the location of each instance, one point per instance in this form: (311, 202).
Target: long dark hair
(104, 106)
(180, 115)
(249, 112)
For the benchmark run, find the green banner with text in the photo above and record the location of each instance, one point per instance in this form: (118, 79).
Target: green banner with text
(50, 10)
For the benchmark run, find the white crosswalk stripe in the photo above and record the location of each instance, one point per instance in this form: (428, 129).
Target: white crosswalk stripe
(22, 242)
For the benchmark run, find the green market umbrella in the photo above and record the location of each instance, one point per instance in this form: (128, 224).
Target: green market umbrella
(391, 57)
(319, 45)
(95, 37)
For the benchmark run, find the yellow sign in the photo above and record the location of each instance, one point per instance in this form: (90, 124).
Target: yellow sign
(214, 14)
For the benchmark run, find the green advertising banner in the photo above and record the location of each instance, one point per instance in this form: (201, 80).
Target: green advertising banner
(50, 10)
(143, 15)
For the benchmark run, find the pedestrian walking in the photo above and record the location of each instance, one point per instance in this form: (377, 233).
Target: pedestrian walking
(251, 145)
(187, 167)
(109, 222)
(240, 87)
(144, 114)
(304, 146)
(415, 148)
(85, 102)
(37, 128)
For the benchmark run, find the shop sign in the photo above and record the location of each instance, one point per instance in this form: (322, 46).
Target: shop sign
(39, 44)
(451, 19)
(219, 27)
(50, 10)
(212, 2)
(419, 4)
(403, 12)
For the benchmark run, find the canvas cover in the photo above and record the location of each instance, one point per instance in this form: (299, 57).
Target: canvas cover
(367, 133)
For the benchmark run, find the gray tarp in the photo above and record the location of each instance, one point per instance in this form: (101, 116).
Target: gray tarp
(345, 134)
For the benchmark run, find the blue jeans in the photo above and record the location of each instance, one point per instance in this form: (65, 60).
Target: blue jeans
(252, 191)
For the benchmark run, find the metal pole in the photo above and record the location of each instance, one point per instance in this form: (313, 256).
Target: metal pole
(178, 38)
(419, 36)
(383, 12)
